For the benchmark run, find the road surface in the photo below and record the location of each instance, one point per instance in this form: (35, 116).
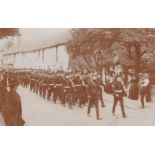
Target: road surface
(41, 112)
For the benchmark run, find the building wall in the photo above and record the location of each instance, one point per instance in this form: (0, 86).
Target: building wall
(53, 57)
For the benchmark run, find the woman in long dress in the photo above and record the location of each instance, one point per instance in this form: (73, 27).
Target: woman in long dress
(133, 88)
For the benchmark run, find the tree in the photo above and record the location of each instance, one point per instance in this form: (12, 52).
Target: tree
(138, 43)
(97, 45)
(92, 44)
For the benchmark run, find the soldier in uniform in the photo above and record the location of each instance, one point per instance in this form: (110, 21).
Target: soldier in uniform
(100, 85)
(37, 83)
(58, 87)
(32, 83)
(24, 80)
(93, 95)
(40, 84)
(67, 88)
(50, 86)
(84, 79)
(45, 85)
(27, 80)
(119, 89)
(78, 90)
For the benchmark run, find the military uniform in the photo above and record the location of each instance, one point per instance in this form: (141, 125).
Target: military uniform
(37, 84)
(50, 87)
(118, 96)
(58, 88)
(67, 94)
(40, 85)
(32, 83)
(77, 91)
(93, 94)
(85, 80)
(44, 86)
(100, 84)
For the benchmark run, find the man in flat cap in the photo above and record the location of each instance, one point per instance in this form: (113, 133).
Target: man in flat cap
(13, 111)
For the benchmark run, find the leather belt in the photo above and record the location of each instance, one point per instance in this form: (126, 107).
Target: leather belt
(58, 84)
(67, 87)
(77, 85)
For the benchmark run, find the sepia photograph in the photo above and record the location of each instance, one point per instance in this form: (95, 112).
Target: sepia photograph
(77, 76)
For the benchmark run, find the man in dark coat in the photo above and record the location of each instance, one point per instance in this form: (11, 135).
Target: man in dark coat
(93, 95)
(13, 108)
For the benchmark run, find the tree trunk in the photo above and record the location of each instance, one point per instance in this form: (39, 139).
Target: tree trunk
(86, 60)
(138, 56)
(98, 61)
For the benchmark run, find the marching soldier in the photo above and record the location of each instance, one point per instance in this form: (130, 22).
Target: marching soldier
(100, 85)
(40, 85)
(119, 89)
(85, 80)
(78, 90)
(50, 86)
(67, 88)
(93, 95)
(58, 87)
(37, 84)
(45, 85)
(32, 83)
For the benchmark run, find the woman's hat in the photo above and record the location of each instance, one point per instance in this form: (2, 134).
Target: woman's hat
(145, 75)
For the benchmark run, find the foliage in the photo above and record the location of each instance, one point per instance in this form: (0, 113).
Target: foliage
(101, 45)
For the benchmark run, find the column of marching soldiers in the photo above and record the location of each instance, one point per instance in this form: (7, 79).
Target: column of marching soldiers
(69, 87)
(66, 87)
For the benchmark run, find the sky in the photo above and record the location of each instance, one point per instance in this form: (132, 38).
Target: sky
(30, 36)
(39, 33)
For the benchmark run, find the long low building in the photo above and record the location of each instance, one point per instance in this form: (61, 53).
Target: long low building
(51, 54)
